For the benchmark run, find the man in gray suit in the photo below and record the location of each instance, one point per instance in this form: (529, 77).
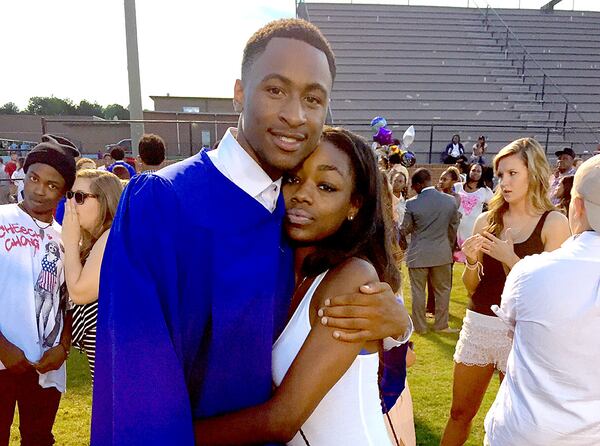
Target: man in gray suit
(432, 220)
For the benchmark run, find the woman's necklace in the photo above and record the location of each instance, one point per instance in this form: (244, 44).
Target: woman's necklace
(470, 188)
(41, 228)
(295, 299)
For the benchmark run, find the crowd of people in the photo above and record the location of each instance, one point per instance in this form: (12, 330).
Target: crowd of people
(251, 294)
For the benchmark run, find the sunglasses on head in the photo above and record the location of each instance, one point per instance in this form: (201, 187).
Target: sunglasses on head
(80, 196)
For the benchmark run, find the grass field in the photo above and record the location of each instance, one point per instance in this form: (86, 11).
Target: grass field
(430, 381)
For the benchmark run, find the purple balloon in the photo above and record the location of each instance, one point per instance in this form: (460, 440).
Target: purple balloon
(383, 136)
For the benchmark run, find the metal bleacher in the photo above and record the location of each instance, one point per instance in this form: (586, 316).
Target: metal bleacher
(458, 70)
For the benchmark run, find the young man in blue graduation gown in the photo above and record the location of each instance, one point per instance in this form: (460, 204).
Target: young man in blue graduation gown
(187, 318)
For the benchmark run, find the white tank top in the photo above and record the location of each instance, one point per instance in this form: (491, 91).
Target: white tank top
(350, 414)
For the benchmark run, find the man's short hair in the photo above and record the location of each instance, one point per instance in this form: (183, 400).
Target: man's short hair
(152, 149)
(297, 29)
(117, 153)
(587, 186)
(421, 176)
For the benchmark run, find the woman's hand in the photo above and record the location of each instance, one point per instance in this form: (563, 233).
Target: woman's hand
(501, 250)
(71, 231)
(471, 247)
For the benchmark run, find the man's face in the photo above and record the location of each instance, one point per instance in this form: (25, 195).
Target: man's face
(108, 160)
(285, 96)
(44, 187)
(565, 162)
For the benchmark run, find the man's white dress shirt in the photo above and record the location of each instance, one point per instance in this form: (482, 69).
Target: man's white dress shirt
(238, 166)
(551, 393)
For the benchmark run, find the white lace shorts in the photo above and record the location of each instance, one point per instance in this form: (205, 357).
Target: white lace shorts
(483, 340)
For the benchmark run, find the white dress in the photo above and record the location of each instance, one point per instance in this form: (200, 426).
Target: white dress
(350, 414)
(471, 206)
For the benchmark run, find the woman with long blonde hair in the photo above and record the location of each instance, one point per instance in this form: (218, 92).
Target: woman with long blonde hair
(89, 211)
(520, 221)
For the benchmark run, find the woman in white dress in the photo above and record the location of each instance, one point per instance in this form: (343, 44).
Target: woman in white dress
(326, 390)
(473, 195)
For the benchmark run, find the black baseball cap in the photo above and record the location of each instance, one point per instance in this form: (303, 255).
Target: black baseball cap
(566, 151)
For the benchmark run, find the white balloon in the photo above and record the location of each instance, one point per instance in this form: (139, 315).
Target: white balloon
(408, 137)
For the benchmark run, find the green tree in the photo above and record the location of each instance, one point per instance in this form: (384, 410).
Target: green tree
(112, 110)
(86, 108)
(52, 106)
(10, 108)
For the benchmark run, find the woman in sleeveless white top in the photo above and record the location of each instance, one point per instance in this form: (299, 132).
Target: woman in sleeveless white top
(350, 413)
(327, 390)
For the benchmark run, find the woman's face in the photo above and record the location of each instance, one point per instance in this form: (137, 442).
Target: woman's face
(89, 211)
(455, 139)
(514, 178)
(399, 184)
(445, 183)
(475, 172)
(318, 195)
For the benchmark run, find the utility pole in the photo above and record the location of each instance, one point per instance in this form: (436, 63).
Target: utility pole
(133, 70)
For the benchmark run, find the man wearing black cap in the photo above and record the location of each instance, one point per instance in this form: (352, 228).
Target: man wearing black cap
(35, 327)
(564, 168)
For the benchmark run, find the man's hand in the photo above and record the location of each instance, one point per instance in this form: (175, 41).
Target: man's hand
(14, 359)
(52, 359)
(370, 315)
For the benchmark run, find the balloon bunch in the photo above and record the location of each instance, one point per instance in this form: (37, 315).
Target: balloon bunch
(385, 145)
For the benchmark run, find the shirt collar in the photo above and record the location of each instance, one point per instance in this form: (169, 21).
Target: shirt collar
(585, 237)
(238, 166)
(427, 188)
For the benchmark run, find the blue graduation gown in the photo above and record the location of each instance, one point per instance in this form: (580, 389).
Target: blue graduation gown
(194, 287)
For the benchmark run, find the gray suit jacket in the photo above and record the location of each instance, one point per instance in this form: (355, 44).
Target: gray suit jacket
(432, 220)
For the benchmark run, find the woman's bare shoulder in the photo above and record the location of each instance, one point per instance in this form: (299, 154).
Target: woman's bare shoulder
(346, 278)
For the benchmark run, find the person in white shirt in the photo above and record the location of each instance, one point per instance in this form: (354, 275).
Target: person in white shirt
(18, 179)
(551, 393)
(453, 150)
(107, 161)
(399, 183)
(35, 324)
(331, 199)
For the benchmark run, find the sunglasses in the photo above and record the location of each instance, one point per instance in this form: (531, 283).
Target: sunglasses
(80, 197)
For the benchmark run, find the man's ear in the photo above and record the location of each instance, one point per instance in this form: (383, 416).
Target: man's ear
(238, 96)
(578, 207)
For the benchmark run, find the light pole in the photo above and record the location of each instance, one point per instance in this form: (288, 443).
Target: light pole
(133, 70)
